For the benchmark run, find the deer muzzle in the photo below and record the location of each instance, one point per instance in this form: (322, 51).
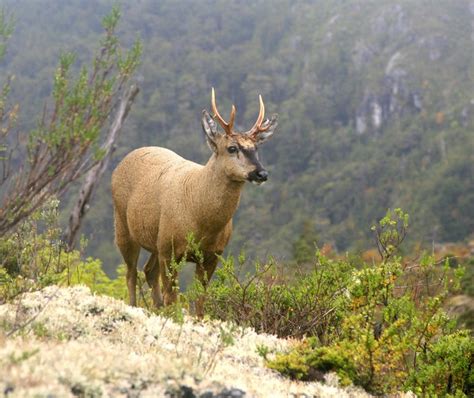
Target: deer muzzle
(258, 176)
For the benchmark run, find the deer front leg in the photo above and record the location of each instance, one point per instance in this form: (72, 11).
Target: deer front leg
(152, 274)
(169, 278)
(204, 273)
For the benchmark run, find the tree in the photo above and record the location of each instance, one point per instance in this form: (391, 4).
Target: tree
(305, 246)
(66, 144)
(94, 175)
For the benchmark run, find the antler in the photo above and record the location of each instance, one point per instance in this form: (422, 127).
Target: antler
(226, 126)
(257, 127)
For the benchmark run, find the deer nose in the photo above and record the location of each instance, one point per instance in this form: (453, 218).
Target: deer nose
(262, 175)
(258, 176)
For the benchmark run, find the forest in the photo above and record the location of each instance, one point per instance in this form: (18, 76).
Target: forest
(373, 115)
(376, 114)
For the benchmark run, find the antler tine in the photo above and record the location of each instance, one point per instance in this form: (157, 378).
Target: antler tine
(220, 119)
(232, 117)
(226, 126)
(261, 114)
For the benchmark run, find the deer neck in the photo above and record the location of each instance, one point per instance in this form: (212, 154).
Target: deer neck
(218, 195)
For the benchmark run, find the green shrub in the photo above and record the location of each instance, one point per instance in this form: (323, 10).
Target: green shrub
(467, 285)
(270, 301)
(91, 274)
(446, 368)
(309, 362)
(392, 331)
(381, 325)
(33, 258)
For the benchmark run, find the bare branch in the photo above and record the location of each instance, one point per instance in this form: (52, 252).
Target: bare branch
(94, 175)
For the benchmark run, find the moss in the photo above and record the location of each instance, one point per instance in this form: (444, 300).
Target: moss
(291, 364)
(327, 359)
(307, 364)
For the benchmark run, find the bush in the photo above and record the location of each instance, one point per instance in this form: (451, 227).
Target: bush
(378, 325)
(446, 368)
(466, 283)
(309, 362)
(68, 139)
(33, 257)
(272, 302)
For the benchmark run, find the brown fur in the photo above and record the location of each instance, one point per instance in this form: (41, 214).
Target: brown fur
(160, 198)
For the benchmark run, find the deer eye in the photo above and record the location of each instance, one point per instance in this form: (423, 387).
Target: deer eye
(232, 149)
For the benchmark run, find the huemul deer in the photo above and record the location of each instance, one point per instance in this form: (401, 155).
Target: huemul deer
(160, 198)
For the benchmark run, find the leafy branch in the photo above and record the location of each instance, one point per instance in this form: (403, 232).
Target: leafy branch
(66, 143)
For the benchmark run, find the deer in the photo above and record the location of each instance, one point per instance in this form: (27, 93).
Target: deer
(159, 198)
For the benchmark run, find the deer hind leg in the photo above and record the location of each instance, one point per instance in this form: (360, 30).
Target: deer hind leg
(152, 274)
(130, 252)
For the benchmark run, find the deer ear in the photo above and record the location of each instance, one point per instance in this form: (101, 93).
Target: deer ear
(210, 129)
(268, 126)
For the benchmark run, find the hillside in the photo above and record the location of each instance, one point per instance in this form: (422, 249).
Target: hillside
(374, 97)
(71, 343)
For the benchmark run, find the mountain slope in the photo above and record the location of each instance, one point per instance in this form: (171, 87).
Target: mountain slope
(77, 344)
(375, 103)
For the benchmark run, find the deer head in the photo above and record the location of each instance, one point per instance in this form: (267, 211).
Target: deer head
(237, 152)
